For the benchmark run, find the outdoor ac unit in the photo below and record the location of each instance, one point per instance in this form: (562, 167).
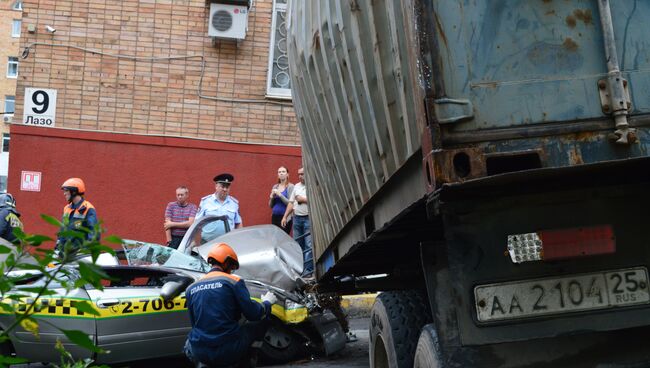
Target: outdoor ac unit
(8, 118)
(228, 21)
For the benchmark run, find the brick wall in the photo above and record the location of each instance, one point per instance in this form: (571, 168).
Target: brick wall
(105, 93)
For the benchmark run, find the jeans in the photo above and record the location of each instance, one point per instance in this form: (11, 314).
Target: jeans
(301, 227)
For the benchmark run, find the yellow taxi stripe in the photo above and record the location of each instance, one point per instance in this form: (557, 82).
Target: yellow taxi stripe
(133, 306)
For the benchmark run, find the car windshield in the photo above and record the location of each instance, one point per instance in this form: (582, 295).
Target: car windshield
(148, 254)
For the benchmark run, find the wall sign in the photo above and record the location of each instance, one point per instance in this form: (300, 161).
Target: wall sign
(30, 181)
(40, 107)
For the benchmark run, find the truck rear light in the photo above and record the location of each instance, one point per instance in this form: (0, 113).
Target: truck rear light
(561, 244)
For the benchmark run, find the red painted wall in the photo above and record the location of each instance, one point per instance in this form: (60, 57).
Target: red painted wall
(131, 178)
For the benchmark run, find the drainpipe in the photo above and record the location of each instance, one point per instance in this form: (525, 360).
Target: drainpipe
(618, 102)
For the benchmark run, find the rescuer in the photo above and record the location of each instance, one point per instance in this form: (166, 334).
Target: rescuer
(216, 303)
(9, 217)
(78, 214)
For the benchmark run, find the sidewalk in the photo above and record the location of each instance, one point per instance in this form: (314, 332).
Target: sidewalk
(358, 306)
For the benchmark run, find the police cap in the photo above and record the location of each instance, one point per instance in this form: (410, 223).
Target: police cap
(224, 178)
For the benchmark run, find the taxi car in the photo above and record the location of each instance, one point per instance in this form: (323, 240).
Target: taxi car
(136, 322)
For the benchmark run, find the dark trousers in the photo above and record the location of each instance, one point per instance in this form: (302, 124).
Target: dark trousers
(277, 221)
(230, 353)
(176, 241)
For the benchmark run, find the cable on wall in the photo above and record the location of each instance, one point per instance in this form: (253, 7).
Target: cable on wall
(201, 57)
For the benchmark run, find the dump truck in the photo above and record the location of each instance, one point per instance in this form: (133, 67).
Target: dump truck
(485, 165)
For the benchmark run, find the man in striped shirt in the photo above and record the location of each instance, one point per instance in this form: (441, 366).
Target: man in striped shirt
(179, 216)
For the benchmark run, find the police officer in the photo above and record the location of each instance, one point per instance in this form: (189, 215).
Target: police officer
(9, 217)
(77, 214)
(221, 203)
(216, 303)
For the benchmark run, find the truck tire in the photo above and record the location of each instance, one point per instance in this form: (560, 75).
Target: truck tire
(395, 323)
(427, 353)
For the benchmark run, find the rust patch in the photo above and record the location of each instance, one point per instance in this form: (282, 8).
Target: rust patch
(550, 12)
(575, 157)
(571, 21)
(569, 44)
(445, 170)
(585, 137)
(584, 15)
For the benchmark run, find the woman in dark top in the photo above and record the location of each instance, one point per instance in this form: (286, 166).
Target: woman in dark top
(279, 198)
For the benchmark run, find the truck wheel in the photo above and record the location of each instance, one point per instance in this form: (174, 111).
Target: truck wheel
(280, 345)
(427, 353)
(395, 323)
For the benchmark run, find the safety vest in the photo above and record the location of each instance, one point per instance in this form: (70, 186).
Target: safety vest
(77, 216)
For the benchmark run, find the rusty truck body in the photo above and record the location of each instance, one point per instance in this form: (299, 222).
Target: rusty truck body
(485, 165)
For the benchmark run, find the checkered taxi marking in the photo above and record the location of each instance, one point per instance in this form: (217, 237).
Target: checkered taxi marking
(134, 306)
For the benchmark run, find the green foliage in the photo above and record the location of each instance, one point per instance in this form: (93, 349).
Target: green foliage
(31, 270)
(67, 361)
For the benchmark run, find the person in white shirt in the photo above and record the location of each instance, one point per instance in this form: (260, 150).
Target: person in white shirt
(298, 206)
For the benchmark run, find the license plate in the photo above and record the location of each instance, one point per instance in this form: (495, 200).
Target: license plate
(557, 295)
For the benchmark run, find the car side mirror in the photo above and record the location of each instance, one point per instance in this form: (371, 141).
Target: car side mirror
(172, 289)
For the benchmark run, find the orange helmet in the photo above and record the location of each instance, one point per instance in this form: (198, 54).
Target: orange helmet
(221, 253)
(74, 185)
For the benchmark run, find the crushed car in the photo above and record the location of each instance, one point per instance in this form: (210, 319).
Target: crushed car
(142, 311)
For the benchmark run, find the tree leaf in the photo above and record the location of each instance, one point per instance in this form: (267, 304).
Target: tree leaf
(86, 307)
(6, 360)
(113, 239)
(37, 240)
(91, 272)
(51, 220)
(19, 233)
(81, 338)
(5, 249)
(7, 307)
(30, 324)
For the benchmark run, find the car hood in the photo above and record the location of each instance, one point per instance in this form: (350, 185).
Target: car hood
(265, 252)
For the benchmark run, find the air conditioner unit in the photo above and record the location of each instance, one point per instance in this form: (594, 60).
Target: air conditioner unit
(228, 21)
(8, 119)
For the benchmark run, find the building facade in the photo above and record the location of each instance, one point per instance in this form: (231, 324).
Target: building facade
(10, 30)
(150, 101)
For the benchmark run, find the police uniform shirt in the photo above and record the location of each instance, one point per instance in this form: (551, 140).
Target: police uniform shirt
(211, 206)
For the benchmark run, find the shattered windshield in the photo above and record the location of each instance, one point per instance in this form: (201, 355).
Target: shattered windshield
(148, 254)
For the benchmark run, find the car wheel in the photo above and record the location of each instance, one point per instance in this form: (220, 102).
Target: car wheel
(281, 345)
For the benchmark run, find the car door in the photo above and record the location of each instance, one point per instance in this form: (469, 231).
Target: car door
(135, 322)
(53, 313)
(202, 232)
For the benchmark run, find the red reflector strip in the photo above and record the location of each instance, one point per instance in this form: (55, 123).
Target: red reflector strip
(585, 241)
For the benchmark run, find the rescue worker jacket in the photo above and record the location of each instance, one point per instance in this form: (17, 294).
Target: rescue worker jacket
(9, 220)
(79, 215)
(216, 303)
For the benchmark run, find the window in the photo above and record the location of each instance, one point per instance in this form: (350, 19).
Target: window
(5, 142)
(12, 67)
(15, 28)
(278, 81)
(18, 5)
(10, 104)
